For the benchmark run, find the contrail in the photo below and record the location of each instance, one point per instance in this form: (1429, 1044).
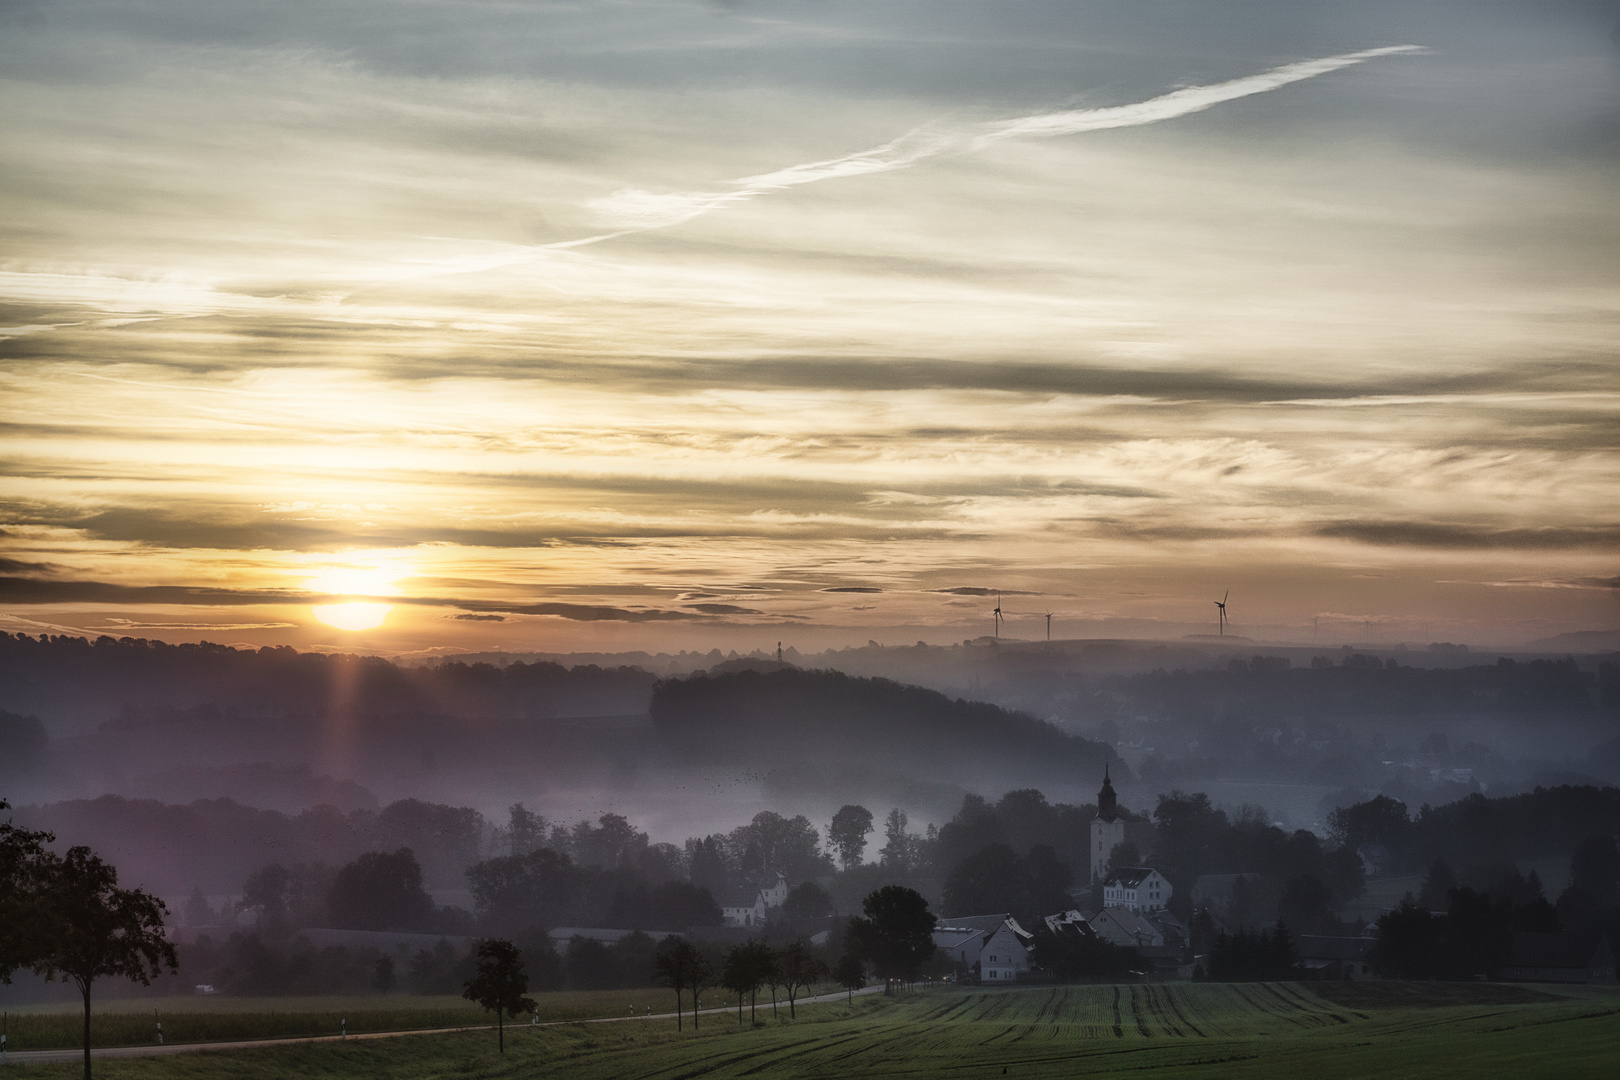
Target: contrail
(633, 210)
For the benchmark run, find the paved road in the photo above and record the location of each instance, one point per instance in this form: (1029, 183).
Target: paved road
(48, 1056)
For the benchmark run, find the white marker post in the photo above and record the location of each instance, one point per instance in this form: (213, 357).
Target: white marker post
(345, 1035)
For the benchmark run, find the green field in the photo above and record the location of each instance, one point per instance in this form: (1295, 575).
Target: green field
(1180, 1031)
(131, 1021)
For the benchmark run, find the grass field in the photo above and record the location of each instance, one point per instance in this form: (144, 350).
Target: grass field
(1177, 1032)
(132, 1021)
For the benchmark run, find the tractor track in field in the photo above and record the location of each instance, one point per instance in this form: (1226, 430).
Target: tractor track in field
(1175, 1006)
(1119, 1027)
(1136, 1015)
(1162, 1014)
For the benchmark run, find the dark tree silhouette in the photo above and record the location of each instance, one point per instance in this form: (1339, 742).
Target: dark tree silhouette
(801, 969)
(20, 852)
(86, 927)
(848, 833)
(744, 972)
(500, 984)
(850, 973)
(380, 891)
(680, 966)
(897, 934)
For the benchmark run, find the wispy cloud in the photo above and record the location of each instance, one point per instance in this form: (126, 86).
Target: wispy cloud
(636, 210)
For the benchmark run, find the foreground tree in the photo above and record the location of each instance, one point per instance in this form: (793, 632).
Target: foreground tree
(84, 927)
(801, 969)
(897, 935)
(850, 973)
(680, 966)
(20, 852)
(744, 972)
(500, 984)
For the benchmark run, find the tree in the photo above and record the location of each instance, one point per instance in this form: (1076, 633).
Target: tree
(806, 900)
(897, 852)
(897, 934)
(1072, 953)
(382, 979)
(20, 852)
(1306, 905)
(267, 890)
(680, 966)
(744, 971)
(850, 973)
(525, 829)
(848, 832)
(380, 891)
(1409, 942)
(1437, 886)
(500, 984)
(85, 927)
(801, 969)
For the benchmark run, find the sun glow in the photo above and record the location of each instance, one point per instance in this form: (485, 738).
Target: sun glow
(364, 580)
(352, 616)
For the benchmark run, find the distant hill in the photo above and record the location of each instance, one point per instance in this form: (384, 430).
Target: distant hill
(1580, 641)
(768, 719)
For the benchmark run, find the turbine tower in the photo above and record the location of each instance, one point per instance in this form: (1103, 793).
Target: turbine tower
(1221, 611)
(1048, 626)
(998, 615)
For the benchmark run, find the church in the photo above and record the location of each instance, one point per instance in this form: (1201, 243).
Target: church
(1113, 826)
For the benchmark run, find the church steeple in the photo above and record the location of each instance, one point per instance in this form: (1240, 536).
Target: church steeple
(1107, 801)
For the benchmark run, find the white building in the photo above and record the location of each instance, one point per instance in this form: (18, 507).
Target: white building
(1137, 888)
(748, 903)
(1107, 828)
(994, 947)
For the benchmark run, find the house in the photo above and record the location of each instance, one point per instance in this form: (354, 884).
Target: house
(1140, 888)
(994, 947)
(1005, 954)
(1325, 957)
(1126, 928)
(746, 903)
(1568, 957)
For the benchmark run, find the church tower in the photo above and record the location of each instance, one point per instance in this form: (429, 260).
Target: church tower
(1107, 829)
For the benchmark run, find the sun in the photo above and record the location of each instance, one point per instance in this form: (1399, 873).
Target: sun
(355, 580)
(359, 616)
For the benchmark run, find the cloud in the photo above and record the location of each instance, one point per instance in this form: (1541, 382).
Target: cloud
(635, 210)
(19, 590)
(853, 589)
(1439, 535)
(974, 590)
(724, 609)
(469, 617)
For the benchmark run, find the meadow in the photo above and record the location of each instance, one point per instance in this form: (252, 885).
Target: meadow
(1176, 1031)
(133, 1021)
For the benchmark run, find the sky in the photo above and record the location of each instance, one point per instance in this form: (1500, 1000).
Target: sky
(424, 326)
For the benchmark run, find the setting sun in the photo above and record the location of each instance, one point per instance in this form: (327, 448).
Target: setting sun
(352, 616)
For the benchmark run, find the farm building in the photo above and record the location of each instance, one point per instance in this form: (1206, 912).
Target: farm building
(746, 903)
(992, 947)
(1569, 957)
(1336, 957)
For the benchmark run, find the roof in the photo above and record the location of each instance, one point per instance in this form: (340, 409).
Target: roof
(738, 896)
(1130, 876)
(1128, 920)
(1322, 947)
(1565, 950)
(955, 937)
(985, 924)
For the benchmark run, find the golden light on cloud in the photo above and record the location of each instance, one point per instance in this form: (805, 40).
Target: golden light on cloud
(358, 616)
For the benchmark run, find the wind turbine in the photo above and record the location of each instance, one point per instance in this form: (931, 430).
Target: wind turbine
(1221, 605)
(998, 616)
(1048, 626)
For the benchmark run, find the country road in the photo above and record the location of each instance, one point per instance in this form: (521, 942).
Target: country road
(42, 1057)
